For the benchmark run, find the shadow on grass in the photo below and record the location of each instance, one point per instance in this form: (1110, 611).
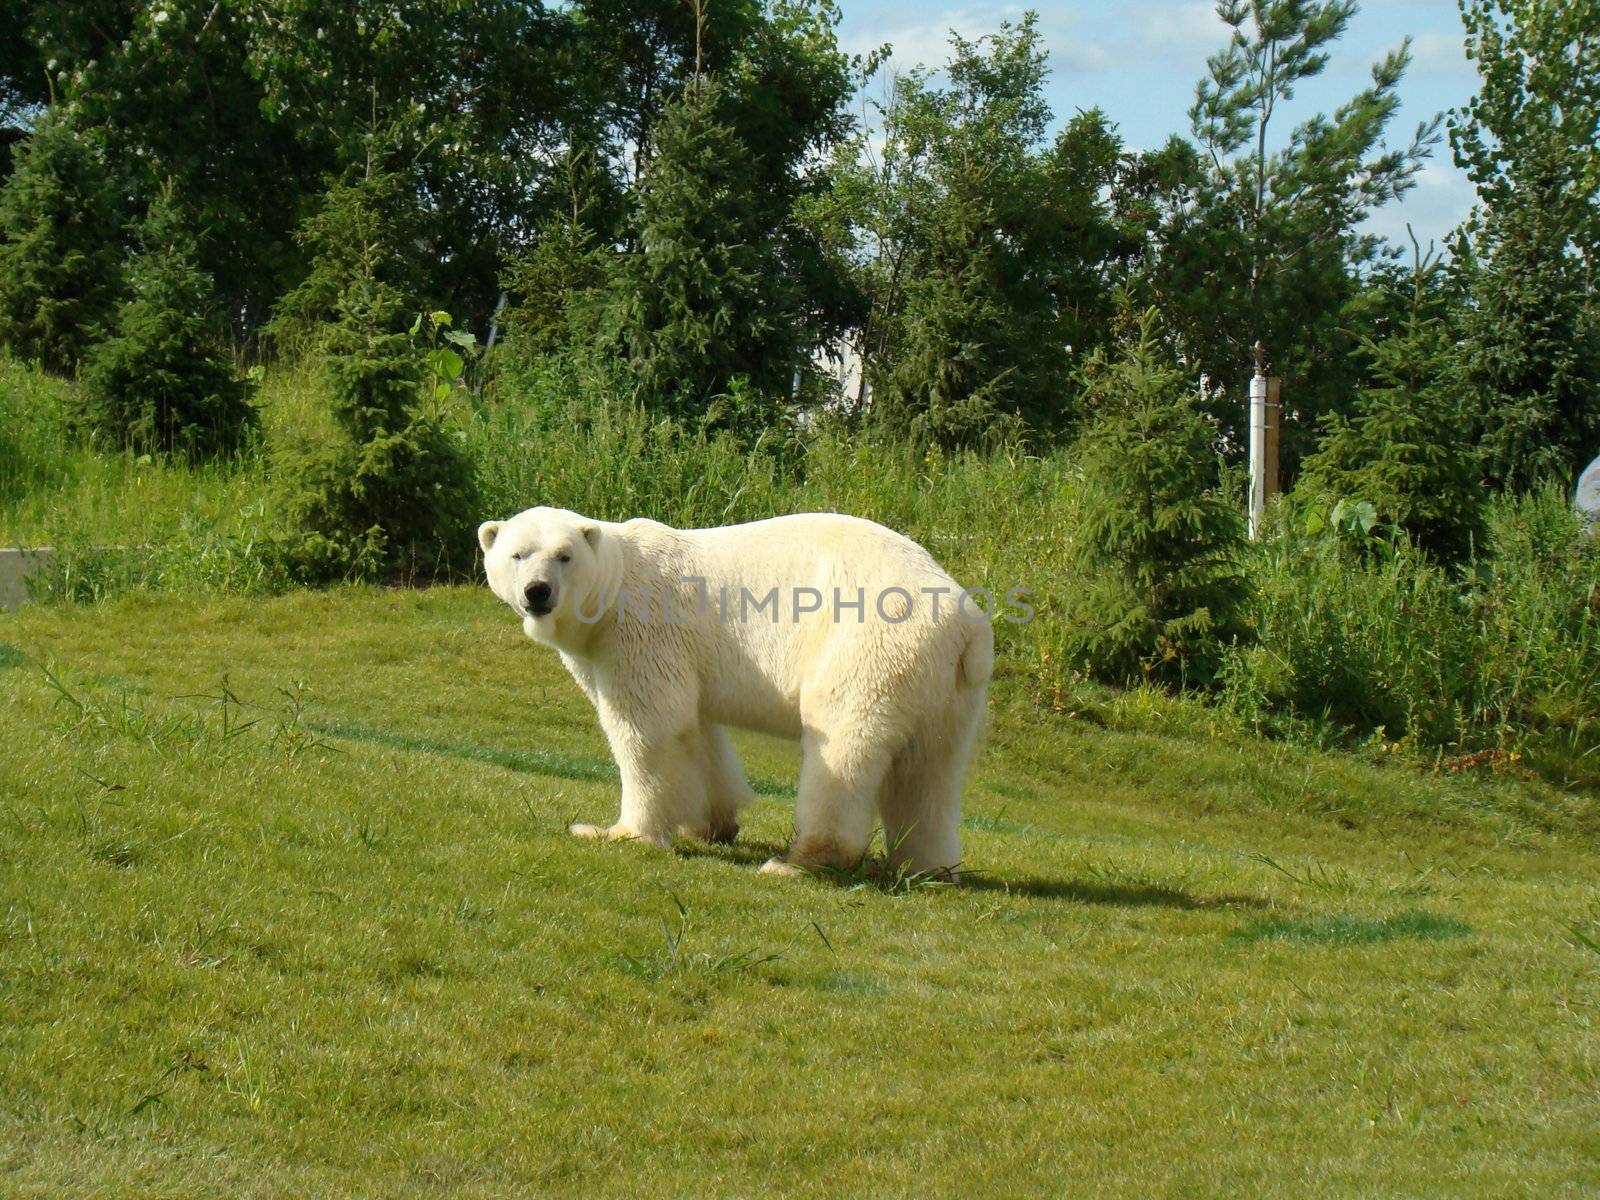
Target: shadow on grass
(1343, 930)
(874, 873)
(1115, 895)
(580, 767)
(740, 853)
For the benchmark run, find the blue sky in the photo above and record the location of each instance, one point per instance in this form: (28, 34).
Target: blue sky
(1138, 60)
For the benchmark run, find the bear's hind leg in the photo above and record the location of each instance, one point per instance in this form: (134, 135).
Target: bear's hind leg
(920, 801)
(839, 776)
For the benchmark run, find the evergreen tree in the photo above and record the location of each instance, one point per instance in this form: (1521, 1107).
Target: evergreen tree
(1410, 448)
(705, 312)
(1157, 551)
(554, 287)
(1532, 351)
(60, 244)
(1253, 243)
(1532, 254)
(984, 249)
(388, 495)
(164, 379)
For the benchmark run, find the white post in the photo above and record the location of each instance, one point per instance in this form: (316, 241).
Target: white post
(1258, 445)
(1266, 409)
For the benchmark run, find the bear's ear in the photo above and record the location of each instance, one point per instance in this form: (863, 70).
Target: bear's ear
(591, 534)
(487, 532)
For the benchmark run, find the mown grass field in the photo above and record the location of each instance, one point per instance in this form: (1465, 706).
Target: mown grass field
(287, 908)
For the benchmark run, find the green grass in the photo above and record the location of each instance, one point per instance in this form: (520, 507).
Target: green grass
(287, 908)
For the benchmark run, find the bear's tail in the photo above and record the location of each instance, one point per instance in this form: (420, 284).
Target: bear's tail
(977, 656)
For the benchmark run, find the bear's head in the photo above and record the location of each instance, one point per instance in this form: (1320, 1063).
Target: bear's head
(553, 567)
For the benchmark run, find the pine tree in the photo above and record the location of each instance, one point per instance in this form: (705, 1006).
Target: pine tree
(1158, 546)
(164, 380)
(1532, 353)
(1258, 236)
(703, 310)
(1532, 253)
(388, 496)
(60, 244)
(983, 249)
(1409, 450)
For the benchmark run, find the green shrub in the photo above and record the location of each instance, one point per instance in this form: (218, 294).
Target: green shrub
(391, 496)
(60, 243)
(1505, 656)
(1410, 449)
(386, 493)
(1157, 548)
(164, 381)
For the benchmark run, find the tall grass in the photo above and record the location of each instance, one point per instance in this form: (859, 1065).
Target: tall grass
(1504, 655)
(35, 451)
(1345, 645)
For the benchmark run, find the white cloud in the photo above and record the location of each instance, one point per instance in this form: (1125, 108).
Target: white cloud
(1442, 199)
(926, 41)
(1438, 55)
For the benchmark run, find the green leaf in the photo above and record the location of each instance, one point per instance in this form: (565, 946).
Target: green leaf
(446, 363)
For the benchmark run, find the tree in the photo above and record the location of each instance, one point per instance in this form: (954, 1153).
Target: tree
(164, 379)
(60, 243)
(1532, 251)
(982, 248)
(479, 99)
(1410, 448)
(1254, 243)
(386, 494)
(1158, 546)
(704, 311)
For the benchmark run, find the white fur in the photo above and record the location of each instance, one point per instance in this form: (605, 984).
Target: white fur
(886, 713)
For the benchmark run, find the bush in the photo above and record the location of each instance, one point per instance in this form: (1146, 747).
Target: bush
(164, 381)
(386, 493)
(1157, 549)
(390, 496)
(1363, 642)
(1410, 450)
(60, 244)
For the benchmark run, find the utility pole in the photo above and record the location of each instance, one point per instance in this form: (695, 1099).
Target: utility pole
(1265, 412)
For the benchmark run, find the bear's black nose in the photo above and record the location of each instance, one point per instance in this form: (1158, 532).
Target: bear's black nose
(539, 599)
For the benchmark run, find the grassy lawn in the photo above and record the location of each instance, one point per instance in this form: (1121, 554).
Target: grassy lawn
(327, 937)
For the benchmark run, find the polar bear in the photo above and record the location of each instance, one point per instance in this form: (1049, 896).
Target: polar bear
(826, 628)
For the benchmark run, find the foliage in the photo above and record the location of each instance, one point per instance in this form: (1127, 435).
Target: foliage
(389, 494)
(981, 247)
(704, 311)
(163, 380)
(1157, 547)
(1256, 244)
(60, 251)
(1533, 120)
(1528, 141)
(554, 287)
(1393, 645)
(1409, 449)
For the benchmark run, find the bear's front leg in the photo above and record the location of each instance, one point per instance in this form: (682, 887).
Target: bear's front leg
(663, 785)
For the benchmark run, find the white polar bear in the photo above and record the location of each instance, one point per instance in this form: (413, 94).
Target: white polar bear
(825, 628)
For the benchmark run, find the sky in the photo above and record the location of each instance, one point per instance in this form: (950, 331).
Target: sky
(1139, 60)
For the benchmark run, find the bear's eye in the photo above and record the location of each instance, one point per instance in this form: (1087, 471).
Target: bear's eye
(519, 556)
(563, 557)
